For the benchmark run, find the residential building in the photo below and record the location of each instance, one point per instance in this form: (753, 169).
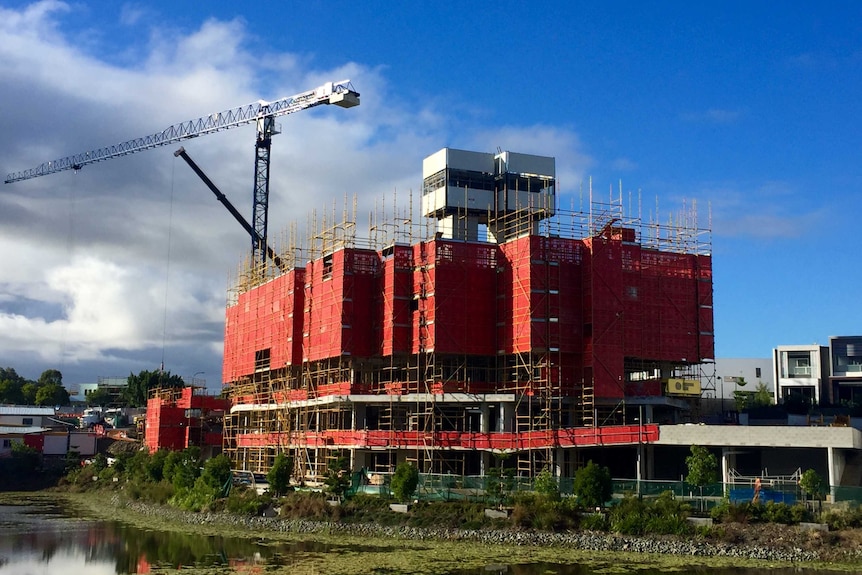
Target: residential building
(801, 373)
(845, 380)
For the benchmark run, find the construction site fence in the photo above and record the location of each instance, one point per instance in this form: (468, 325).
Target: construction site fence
(475, 488)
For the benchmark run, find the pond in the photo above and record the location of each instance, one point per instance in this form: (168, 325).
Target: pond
(44, 539)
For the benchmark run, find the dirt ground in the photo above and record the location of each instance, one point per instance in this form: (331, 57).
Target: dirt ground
(832, 545)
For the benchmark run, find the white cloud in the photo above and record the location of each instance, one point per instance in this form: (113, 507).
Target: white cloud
(109, 270)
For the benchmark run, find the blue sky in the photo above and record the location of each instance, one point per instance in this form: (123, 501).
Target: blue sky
(749, 108)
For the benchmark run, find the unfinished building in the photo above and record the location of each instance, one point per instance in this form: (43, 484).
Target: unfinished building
(504, 325)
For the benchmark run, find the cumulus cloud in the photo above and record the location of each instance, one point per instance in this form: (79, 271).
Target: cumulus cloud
(125, 264)
(770, 210)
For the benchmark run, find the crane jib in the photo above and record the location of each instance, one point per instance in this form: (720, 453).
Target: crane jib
(232, 118)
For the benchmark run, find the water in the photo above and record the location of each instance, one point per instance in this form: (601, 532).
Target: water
(42, 539)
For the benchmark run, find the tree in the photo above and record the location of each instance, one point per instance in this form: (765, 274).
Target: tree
(155, 465)
(100, 397)
(499, 480)
(52, 394)
(762, 396)
(139, 386)
(812, 485)
(10, 392)
(217, 473)
(183, 470)
(337, 476)
(593, 485)
(279, 474)
(405, 480)
(29, 390)
(50, 377)
(702, 468)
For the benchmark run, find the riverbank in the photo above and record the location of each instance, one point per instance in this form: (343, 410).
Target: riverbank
(439, 550)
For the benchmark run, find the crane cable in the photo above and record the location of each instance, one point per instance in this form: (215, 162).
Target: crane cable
(71, 239)
(167, 273)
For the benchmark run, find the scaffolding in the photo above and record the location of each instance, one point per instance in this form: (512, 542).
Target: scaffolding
(403, 344)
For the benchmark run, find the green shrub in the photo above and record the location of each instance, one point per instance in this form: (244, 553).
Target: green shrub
(545, 485)
(245, 501)
(744, 512)
(279, 474)
(594, 522)
(159, 492)
(777, 513)
(662, 515)
(799, 513)
(106, 475)
(306, 505)
(405, 480)
(837, 520)
(592, 485)
(197, 498)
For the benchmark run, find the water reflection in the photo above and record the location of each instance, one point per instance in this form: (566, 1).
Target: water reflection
(43, 541)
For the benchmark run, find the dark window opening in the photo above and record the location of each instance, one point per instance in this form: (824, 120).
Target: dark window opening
(261, 360)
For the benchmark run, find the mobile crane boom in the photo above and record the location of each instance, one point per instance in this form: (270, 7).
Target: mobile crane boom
(262, 113)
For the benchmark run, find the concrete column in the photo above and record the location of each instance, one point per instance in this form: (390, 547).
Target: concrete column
(507, 417)
(485, 423)
(836, 461)
(640, 465)
(649, 458)
(559, 458)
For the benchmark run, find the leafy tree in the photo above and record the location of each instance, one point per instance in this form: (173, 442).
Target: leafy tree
(100, 397)
(216, 472)
(545, 484)
(50, 377)
(405, 480)
(702, 468)
(10, 392)
(172, 460)
(279, 474)
(762, 396)
(139, 386)
(155, 465)
(52, 394)
(136, 466)
(10, 386)
(29, 390)
(592, 485)
(337, 476)
(499, 481)
(185, 469)
(813, 485)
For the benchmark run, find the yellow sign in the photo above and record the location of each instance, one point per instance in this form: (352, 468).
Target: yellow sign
(689, 387)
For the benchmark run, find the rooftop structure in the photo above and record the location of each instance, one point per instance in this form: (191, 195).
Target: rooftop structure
(506, 325)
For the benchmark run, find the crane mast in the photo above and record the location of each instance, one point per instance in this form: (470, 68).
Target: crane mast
(262, 113)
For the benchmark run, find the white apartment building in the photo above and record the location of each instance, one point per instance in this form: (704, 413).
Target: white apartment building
(802, 371)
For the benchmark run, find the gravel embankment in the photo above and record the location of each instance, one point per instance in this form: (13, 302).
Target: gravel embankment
(589, 541)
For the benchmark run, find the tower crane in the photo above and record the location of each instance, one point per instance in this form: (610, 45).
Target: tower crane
(261, 113)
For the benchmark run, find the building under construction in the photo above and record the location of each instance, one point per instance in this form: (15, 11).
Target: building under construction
(505, 324)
